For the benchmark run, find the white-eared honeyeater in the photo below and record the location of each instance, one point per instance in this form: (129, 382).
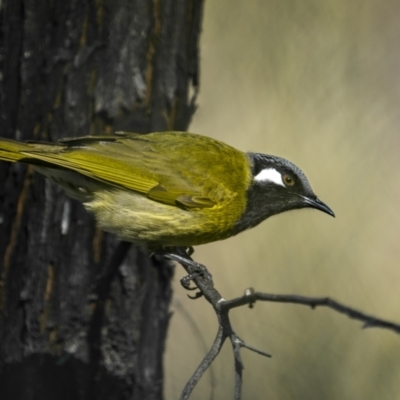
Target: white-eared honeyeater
(169, 188)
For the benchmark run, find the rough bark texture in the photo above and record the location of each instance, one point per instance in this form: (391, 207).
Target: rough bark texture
(81, 316)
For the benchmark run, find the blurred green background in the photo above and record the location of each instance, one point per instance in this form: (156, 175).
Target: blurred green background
(316, 82)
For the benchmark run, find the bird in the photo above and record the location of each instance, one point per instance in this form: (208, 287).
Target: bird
(168, 189)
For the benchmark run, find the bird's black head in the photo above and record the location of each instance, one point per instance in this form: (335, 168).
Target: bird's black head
(277, 185)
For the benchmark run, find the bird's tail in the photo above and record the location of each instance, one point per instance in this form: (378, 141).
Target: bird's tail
(12, 151)
(44, 158)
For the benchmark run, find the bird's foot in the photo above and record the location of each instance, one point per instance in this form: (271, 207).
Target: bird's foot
(195, 269)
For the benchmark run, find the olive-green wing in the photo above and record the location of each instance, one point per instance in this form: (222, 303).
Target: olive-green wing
(171, 168)
(97, 157)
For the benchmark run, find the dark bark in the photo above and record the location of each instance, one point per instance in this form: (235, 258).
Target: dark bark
(82, 317)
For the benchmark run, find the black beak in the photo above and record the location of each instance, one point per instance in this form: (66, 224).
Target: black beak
(318, 204)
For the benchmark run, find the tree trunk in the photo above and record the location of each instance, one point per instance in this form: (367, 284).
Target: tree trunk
(82, 316)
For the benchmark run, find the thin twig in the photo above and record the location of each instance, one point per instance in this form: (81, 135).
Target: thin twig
(205, 285)
(202, 279)
(313, 302)
(206, 362)
(239, 367)
(192, 322)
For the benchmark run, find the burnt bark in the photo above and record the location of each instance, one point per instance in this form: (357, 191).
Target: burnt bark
(81, 315)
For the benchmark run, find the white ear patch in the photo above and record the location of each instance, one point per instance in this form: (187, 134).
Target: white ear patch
(271, 175)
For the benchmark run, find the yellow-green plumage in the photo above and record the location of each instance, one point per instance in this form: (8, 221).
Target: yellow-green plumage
(164, 189)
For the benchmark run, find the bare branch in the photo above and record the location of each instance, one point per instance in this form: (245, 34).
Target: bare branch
(205, 363)
(313, 302)
(203, 280)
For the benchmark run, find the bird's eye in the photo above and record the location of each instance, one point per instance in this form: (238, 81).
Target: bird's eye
(288, 180)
